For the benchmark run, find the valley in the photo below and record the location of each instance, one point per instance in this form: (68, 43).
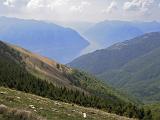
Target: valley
(79, 60)
(131, 66)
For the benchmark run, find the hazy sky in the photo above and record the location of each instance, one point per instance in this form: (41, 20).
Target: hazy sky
(82, 10)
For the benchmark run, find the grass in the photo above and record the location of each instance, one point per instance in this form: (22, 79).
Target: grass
(49, 109)
(16, 114)
(155, 108)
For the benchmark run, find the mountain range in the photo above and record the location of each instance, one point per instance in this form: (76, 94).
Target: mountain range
(122, 79)
(48, 39)
(132, 65)
(107, 33)
(65, 44)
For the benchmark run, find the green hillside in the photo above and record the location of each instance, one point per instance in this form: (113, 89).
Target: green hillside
(143, 72)
(23, 73)
(132, 66)
(116, 56)
(155, 108)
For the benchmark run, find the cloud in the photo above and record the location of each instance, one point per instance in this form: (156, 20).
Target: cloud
(14, 3)
(81, 10)
(36, 4)
(47, 4)
(9, 3)
(81, 7)
(111, 8)
(61, 2)
(139, 5)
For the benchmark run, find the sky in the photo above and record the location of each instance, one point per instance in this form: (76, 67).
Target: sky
(82, 10)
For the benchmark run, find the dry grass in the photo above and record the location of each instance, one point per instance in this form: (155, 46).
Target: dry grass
(16, 114)
(3, 109)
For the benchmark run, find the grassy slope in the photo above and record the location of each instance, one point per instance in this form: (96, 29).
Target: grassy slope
(155, 108)
(143, 73)
(50, 109)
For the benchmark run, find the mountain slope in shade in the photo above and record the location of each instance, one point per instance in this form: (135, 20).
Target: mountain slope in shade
(140, 76)
(108, 33)
(132, 65)
(117, 55)
(51, 40)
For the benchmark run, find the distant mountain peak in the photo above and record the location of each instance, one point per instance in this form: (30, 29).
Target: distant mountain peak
(109, 32)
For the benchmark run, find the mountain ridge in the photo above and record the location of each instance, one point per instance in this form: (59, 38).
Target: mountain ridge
(42, 37)
(128, 65)
(109, 32)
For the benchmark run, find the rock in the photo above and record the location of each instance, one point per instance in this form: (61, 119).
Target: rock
(18, 98)
(54, 110)
(2, 93)
(3, 108)
(73, 110)
(35, 110)
(32, 106)
(56, 103)
(84, 115)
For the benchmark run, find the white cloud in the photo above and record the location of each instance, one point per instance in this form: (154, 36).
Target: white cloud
(136, 5)
(112, 7)
(76, 8)
(10, 3)
(35, 4)
(80, 7)
(81, 10)
(85, 3)
(61, 2)
(48, 4)
(14, 3)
